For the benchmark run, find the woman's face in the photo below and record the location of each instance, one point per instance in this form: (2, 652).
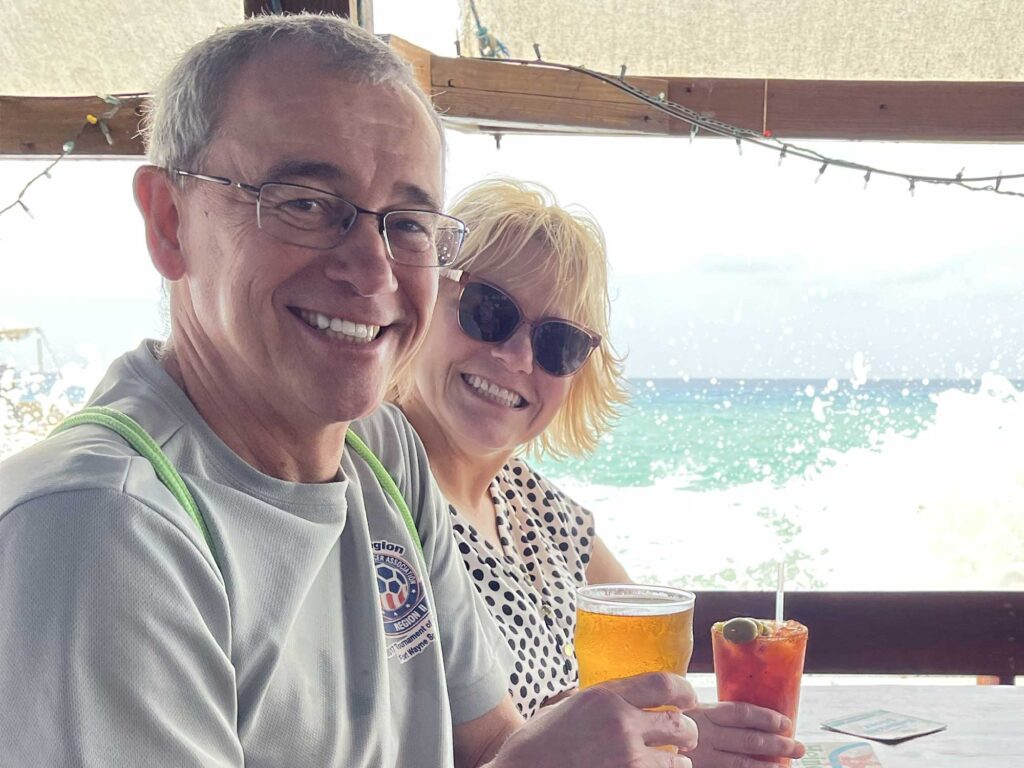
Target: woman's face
(488, 398)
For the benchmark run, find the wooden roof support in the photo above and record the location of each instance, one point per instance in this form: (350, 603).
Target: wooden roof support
(337, 7)
(494, 97)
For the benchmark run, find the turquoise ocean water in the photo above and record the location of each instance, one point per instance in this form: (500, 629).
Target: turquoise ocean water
(872, 484)
(723, 433)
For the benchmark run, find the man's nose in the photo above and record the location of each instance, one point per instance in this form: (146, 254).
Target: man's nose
(361, 259)
(516, 352)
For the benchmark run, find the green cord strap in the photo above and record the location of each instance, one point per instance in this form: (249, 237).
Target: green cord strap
(140, 440)
(387, 483)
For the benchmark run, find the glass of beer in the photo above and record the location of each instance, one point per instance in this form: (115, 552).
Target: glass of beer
(628, 629)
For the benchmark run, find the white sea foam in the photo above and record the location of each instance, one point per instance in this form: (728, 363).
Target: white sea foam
(939, 510)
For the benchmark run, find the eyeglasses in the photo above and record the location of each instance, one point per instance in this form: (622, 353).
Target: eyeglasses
(488, 314)
(312, 218)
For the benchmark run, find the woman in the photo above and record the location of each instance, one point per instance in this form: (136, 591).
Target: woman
(517, 362)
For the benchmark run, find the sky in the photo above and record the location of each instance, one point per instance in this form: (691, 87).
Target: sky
(722, 264)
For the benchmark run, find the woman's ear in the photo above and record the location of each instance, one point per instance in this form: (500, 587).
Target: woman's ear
(158, 200)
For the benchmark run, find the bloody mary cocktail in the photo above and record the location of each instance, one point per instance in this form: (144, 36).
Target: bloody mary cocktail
(762, 666)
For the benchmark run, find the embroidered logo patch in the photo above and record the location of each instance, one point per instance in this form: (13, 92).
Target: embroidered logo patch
(403, 602)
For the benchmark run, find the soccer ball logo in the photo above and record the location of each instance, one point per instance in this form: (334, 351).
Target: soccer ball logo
(393, 587)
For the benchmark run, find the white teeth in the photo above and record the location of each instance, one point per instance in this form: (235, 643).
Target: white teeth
(505, 397)
(337, 328)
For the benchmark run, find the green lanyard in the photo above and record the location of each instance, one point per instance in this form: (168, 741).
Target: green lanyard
(140, 440)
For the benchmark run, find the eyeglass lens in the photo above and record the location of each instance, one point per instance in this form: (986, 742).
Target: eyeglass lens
(316, 219)
(490, 315)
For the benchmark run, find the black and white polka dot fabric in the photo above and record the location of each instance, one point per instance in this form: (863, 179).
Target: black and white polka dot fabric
(530, 583)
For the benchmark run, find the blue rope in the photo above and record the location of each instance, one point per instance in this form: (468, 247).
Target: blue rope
(490, 46)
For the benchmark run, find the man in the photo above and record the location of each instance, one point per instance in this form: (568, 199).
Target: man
(292, 206)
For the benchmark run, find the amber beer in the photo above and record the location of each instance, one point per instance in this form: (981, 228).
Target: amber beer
(627, 629)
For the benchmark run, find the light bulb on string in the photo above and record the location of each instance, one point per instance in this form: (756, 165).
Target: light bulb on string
(693, 132)
(782, 153)
(867, 178)
(911, 187)
(821, 172)
(739, 146)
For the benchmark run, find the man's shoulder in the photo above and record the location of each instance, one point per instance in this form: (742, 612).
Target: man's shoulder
(83, 467)
(86, 457)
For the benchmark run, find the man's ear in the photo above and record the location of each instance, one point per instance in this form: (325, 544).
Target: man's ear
(158, 200)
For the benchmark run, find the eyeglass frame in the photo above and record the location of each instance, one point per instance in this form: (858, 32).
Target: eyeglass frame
(257, 190)
(462, 278)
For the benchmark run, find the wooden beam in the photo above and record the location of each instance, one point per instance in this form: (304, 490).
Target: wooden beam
(924, 633)
(473, 93)
(503, 98)
(337, 7)
(838, 109)
(41, 125)
(418, 58)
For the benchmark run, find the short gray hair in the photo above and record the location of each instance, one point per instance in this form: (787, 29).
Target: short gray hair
(183, 114)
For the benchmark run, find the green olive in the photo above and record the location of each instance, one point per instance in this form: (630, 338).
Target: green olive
(741, 630)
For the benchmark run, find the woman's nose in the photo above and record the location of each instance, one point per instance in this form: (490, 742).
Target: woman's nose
(517, 351)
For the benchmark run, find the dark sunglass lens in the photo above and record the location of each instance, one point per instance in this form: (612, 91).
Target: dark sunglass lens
(560, 348)
(487, 314)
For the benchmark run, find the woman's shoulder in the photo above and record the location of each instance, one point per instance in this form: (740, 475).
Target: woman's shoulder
(539, 492)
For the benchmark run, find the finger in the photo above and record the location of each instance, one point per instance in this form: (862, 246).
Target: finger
(662, 759)
(749, 742)
(744, 761)
(669, 727)
(655, 689)
(735, 714)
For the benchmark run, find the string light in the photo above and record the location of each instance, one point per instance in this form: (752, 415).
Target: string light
(765, 139)
(911, 187)
(782, 154)
(67, 148)
(867, 178)
(821, 172)
(739, 146)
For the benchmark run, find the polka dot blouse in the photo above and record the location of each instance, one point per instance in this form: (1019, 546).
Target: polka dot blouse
(530, 583)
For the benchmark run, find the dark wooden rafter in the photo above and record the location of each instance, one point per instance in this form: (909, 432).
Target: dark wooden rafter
(924, 633)
(502, 98)
(337, 7)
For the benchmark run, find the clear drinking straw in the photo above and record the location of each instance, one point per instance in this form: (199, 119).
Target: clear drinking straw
(779, 589)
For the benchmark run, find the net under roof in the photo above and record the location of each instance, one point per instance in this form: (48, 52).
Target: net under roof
(960, 40)
(98, 46)
(63, 48)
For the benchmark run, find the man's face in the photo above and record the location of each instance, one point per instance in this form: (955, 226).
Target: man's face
(248, 307)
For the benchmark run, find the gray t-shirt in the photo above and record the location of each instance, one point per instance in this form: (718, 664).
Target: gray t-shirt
(317, 639)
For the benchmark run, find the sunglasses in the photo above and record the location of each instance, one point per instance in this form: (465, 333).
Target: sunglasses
(488, 314)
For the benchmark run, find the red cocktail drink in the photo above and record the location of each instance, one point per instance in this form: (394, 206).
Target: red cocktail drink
(762, 667)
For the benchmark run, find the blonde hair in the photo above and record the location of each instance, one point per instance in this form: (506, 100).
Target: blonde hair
(506, 216)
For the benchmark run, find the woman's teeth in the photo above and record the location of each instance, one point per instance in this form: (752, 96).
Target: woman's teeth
(337, 328)
(505, 397)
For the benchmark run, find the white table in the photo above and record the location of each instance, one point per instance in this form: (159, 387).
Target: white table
(985, 724)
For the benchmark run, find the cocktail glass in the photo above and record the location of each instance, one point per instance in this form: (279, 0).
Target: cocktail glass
(764, 669)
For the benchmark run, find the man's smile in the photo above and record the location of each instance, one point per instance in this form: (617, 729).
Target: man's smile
(338, 327)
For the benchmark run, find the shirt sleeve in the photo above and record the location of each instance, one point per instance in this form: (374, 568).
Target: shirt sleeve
(476, 657)
(115, 638)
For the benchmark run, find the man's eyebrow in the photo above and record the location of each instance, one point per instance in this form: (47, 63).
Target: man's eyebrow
(411, 194)
(312, 169)
(408, 194)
